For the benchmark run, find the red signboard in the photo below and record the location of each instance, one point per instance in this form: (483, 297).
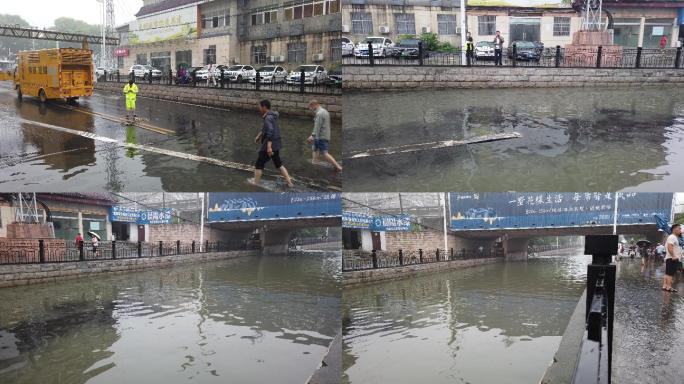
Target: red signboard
(120, 52)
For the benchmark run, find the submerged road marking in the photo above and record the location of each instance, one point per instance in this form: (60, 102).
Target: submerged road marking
(432, 145)
(203, 159)
(142, 125)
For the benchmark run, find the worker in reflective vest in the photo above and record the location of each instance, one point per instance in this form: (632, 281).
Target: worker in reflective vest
(131, 92)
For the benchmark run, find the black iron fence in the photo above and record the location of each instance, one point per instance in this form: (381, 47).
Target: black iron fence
(554, 57)
(357, 261)
(302, 84)
(70, 251)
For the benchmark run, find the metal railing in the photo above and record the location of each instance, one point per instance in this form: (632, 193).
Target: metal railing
(357, 261)
(595, 356)
(313, 240)
(171, 79)
(71, 251)
(549, 247)
(555, 57)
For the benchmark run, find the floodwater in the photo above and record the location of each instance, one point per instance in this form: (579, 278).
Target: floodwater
(33, 155)
(498, 323)
(248, 320)
(573, 139)
(648, 335)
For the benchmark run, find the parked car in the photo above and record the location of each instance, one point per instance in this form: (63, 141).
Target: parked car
(203, 73)
(272, 74)
(407, 48)
(335, 78)
(144, 71)
(484, 50)
(347, 47)
(525, 50)
(313, 74)
(381, 46)
(239, 73)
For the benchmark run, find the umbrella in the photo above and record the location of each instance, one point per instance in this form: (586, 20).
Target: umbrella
(93, 234)
(643, 243)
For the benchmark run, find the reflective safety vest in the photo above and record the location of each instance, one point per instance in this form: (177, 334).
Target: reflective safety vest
(131, 91)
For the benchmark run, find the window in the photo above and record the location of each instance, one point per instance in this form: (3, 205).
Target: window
(296, 52)
(258, 54)
(561, 26)
(446, 24)
(210, 55)
(336, 49)
(257, 19)
(267, 17)
(218, 19)
(405, 23)
(312, 8)
(362, 23)
(119, 62)
(486, 25)
(141, 59)
(332, 6)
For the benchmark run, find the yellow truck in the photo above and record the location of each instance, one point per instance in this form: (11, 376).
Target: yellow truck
(59, 73)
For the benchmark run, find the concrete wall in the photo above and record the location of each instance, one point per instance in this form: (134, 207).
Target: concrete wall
(13, 275)
(288, 103)
(373, 275)
(185, 232)
(431, 240)
(387, 77)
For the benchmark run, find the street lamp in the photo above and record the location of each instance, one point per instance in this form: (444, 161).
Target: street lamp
(104, 20)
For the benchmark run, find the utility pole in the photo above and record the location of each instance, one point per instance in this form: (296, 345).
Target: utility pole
(464, 29)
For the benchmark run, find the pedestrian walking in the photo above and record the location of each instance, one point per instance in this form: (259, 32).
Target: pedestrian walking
(663, 42)
(78, 240)
(498, 48)
(470, 48)
(211, 76)
(270, 143)
(320, 136)
(131, 92)
(672, 258)
(95, 242)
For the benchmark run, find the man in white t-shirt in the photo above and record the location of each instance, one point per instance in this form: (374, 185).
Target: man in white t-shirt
(672, 257)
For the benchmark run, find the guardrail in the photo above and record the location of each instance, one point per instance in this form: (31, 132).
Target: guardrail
(312, 241)
(331, 87)
(595, 356)
(71, 251)
(549, 247)
(358, 261)
(556, 57)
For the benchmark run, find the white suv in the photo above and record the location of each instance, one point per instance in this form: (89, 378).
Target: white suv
(313, 74)
(239, 73)
(271, 74)
(144, 71)
(347, 47)
(382, 46)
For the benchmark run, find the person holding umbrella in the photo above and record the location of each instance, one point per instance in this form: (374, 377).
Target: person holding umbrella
(95, 241)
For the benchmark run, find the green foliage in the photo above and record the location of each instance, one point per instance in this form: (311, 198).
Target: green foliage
(679, 218)
(431, 42)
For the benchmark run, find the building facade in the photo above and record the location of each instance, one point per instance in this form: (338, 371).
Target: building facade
(168, 34)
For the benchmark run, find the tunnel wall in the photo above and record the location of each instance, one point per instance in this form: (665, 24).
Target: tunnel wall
(429, 240)
(275, 241)
(516, 248)
(414, 77)
(283, 102)
(17, 274)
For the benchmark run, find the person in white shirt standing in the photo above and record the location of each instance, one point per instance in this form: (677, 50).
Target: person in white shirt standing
(672, 257)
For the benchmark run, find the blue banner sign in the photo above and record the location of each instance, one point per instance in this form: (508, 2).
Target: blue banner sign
(160, 216)
(376, 223)
(132, 215)
(230, 207)
(123, 214)
(510, 210)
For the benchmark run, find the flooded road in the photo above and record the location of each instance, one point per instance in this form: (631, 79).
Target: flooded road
(94, 156)
(498, 323)
(649, 326)
(572, 139)
(248, 320)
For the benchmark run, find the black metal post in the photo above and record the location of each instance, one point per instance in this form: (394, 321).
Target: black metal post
(678, 57)
(193, 246)
(80, 251)
(193, 74)
(420, 255)
(118, 76)
(637, 62)
(105, 76)
(222, 78)
(401, 257)
(113, 249)
(598, 56)
(161, 249)
(170, 76)
(257, 81)
(515, 55)
(451, 254)
(302, 78)
(420, 53)
(218, 246)
(206, 246)
(374, 256)
(371, 57)
(139, 248)
(558, 56)
(41, 251)
(149, 77)
(437, 255)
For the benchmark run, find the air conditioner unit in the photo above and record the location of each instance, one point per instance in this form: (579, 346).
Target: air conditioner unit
(425, 30)
(345, 28)
(236, 60)
(318, 57)
(384, 29)
(277, 59)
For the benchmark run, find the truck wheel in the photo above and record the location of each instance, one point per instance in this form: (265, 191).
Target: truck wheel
(42, 96)
(19, 95)
(71, 100)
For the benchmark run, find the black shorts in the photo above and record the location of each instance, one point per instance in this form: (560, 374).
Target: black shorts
(264, 158)
(671, 267)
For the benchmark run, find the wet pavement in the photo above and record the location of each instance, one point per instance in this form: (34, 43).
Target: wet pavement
(572, 139)
(497, 323)
(648, 346)
(248, 320)
(196, 149)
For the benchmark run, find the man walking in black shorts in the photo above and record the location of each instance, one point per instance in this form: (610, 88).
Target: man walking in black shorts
(672, 258)
(269, 137)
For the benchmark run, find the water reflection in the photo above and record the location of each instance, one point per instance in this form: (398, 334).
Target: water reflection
(601, 138)
(253, 320)
(489, 324)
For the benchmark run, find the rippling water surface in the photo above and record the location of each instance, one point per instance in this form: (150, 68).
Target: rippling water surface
(499, 323)
(249, 320)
